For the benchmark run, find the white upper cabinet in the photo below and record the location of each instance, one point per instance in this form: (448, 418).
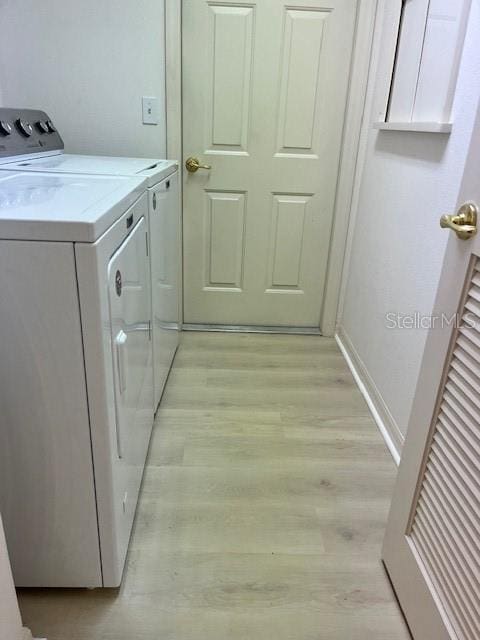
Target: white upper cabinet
(425, 64)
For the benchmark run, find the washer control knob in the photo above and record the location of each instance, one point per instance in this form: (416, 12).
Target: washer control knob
(50, 126)
(5, 128)
(24, 127)
(42, 126)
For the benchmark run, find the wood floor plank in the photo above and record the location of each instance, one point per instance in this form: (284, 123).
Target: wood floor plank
(328, 401)
(201, 624)
(268, 451)
(256, 582)
(307, 482)
(262, 511)
(231, 526)
(228, 527)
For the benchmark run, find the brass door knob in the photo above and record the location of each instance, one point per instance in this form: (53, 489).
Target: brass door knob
(193, 165)
(464, 222)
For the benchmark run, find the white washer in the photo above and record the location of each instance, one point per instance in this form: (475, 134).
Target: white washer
(44, 152)
(76, 377)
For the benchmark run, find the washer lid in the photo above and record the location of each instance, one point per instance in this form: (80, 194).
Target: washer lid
(54, 206)
(152, 168)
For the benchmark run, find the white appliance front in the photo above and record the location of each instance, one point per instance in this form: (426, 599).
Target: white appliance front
(130, 327)
(165, 256)
(164, 221)
(75, 392)
(165, 238)
(116, 321)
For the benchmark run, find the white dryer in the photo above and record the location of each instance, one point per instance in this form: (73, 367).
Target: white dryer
(76, 377)
(34, 145)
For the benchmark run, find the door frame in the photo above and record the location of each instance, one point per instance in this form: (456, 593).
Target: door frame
(173, 109)
(366, 20)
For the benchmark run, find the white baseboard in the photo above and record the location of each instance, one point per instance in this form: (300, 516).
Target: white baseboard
(27, 635)
(379, 410)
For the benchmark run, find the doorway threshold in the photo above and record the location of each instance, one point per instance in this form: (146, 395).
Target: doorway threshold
(230, 328)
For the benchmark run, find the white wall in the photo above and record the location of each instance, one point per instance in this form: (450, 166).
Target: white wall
(87, 63)
(397, 246)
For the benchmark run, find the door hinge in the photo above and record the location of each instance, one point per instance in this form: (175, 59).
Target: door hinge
(146, 241)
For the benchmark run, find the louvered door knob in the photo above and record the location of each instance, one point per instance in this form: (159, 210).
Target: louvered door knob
(464, 223)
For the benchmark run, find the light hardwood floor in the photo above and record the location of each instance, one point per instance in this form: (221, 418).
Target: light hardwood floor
(262, 511)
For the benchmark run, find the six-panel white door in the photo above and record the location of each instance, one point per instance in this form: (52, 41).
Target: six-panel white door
(264, 94)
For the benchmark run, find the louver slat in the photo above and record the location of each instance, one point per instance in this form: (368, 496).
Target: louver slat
(446, 522)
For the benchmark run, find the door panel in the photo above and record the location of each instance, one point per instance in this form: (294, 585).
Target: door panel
(446, 521)
(230, 34)
(432, 544)
(264, 96)
(287, 241)
(225, 233)
(300, 81)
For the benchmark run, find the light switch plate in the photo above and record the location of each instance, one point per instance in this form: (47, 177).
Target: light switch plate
(150, 110)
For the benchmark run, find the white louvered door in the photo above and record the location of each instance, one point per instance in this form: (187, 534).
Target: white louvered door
(432, 544)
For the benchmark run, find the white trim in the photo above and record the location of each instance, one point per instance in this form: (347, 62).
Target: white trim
(173, 105)
(173, 78)
(380, 413)
(249, 328)
(349, 158)
(421, 127)
(359, 73)
(385, 37)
